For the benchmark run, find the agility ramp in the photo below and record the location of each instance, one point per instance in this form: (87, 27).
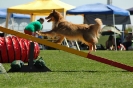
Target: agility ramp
(70, 50)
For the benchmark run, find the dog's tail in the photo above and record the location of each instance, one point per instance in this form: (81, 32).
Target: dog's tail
(98, 24)
(99, 21)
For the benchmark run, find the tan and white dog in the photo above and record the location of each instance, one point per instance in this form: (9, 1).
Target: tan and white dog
(85, 33)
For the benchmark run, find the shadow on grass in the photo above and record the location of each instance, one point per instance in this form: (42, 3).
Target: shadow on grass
(90, 71)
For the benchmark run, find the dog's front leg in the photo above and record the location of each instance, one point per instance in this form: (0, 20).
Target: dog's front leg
(59, 41)
(48, 33)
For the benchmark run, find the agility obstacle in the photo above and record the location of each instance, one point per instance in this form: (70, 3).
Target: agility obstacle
(70, 50)
(30, 67)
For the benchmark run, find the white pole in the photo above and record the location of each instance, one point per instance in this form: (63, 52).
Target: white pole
(77, 45)
(12, 21)
(114, 32)
(109, 2)
(7, 21)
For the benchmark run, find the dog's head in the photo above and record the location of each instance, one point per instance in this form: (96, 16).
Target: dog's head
(54, 16)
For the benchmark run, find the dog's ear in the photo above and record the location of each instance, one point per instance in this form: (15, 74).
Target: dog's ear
(53, 10)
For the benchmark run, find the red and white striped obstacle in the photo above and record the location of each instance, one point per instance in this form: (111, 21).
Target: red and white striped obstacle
(15, 48)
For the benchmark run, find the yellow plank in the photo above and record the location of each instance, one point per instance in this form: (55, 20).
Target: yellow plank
(43, 41)
(64, 48)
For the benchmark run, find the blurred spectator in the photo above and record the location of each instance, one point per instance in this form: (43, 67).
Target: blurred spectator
(118, 40)
(100, 47)
(128, 42)
(110, 43)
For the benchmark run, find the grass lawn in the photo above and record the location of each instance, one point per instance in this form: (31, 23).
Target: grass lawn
(72, 71)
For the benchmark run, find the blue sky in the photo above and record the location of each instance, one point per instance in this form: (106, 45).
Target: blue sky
(120, 3)
(125, 4)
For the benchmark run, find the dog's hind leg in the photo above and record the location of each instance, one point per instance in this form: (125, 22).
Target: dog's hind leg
(90, 47)
(94, 47)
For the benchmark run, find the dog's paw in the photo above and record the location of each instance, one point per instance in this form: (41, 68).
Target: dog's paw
(57, 42)
(40, 34)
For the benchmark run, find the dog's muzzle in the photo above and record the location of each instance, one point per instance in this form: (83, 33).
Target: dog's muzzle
(48, 19)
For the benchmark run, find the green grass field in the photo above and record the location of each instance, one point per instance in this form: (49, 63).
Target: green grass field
(72, 71)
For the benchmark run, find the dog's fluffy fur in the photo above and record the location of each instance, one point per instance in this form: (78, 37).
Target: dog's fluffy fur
(85, 33)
